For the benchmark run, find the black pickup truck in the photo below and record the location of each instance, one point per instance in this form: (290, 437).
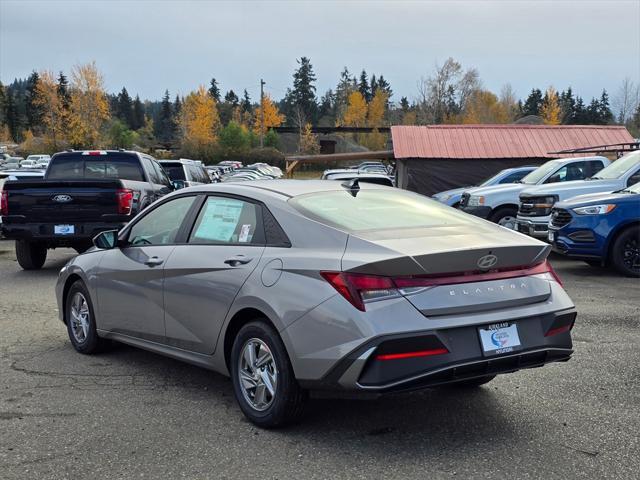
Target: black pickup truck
(82, 194)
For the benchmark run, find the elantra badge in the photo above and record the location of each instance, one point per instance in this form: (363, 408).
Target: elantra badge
(486, 262)
(61, 198)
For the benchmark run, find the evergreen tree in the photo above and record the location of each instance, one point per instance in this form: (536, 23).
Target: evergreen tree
(177, 109)
(12, 117)
(303, 95)
(214, 90)
(124, 108)
(3, 105)
(177, 106)
(605, 116)
(404, 104)
(327, 104)
(567, 106)
(593, 112)
(63, 91)
(533, 103)
(384, 86)
(579, 116)
(138, 114)
(165, 125)
(363, 87)
(246, 102)
(374, 85)
(33, 110)
(231, 98)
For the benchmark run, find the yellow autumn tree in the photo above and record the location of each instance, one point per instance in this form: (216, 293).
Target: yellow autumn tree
(375, 118)
(89, 109)
(272, 117)
(356, 113)
(484, 107)
(54, 116)
(308, 141)
(199, 124)
(551, 112)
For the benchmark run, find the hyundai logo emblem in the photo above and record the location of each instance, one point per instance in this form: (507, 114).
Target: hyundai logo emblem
(486, 262)
(61, 198)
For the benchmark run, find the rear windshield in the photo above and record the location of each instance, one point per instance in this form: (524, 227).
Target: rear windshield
(376, 210)
(174, 170)
(90, 167)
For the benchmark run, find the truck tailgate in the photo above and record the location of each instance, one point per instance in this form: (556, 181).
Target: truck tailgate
(56, 201)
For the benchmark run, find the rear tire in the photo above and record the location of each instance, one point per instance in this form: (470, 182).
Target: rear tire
(81, 321)
(31, 256)
(625, 252)
(505, 217)
(251, 380)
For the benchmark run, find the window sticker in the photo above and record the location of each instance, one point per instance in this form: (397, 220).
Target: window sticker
(219, 220)
(244, 234)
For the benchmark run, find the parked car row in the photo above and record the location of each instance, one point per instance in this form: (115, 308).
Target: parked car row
(369, 172)
(587, 208)
(255, 171)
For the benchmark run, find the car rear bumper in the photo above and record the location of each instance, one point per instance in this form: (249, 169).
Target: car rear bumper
(44, 232)
(364, 369)
(482, 212)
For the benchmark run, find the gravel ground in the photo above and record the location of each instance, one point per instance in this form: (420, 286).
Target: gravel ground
(129, 413)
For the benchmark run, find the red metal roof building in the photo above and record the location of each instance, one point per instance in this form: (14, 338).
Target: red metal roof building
(440, 157)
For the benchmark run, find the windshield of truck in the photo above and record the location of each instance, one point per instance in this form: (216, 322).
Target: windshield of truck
(77, 166)
(619, 167)
(542, 171)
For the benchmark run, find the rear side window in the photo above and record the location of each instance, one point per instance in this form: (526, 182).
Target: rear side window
(174, 170)
(89, 167)
(225, 220)
(377, 210)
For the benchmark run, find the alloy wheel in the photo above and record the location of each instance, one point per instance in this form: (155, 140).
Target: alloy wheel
(631, 255)
(258, 374)
(80, 317)
(508, 222)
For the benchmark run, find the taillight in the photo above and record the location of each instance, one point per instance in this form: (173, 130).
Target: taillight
(125, 200)
(416, 354)
(4, 203)
(470, 277)
(358, 288)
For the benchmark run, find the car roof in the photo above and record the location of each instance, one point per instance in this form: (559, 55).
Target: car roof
(279, 188)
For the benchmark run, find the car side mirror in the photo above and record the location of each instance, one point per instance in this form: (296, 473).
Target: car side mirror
(106, 240)
(178, 184)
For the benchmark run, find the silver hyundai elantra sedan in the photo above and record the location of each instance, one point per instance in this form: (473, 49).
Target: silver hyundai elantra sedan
(293, 286)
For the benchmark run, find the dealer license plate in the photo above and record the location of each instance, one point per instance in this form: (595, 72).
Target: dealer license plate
(64, 230)
(499, 338)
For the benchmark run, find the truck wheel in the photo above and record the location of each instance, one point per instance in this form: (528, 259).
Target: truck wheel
(505, 217)
(31, 256)
(625, 252)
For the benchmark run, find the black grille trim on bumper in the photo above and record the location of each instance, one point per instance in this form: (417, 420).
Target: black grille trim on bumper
(560, 217)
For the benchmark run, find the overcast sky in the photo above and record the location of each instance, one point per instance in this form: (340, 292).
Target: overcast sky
(149, 46)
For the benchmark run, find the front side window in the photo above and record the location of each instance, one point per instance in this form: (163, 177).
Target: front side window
(228, 221)
(161, 225)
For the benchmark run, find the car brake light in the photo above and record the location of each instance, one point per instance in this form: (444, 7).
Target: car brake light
(419, 353)
(125, 201)
(4, 203)
(358, 288)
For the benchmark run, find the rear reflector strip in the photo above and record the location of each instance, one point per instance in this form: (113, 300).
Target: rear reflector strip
(420, 353)
(557, 330)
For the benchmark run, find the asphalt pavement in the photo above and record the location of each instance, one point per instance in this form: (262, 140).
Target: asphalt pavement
(133, 414)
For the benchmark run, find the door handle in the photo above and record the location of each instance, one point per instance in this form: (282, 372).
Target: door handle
(153, 261)
(237, 260)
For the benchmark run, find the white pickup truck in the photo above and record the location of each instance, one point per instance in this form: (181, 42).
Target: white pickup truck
(499, 203)
(536, 203)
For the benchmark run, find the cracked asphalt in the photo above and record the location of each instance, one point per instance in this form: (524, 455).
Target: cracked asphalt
(129, 413)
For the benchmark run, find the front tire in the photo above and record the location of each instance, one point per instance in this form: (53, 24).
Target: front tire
(625, 252)
(505, 217)
(81, 321)
(263, 380)
(31, 256)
